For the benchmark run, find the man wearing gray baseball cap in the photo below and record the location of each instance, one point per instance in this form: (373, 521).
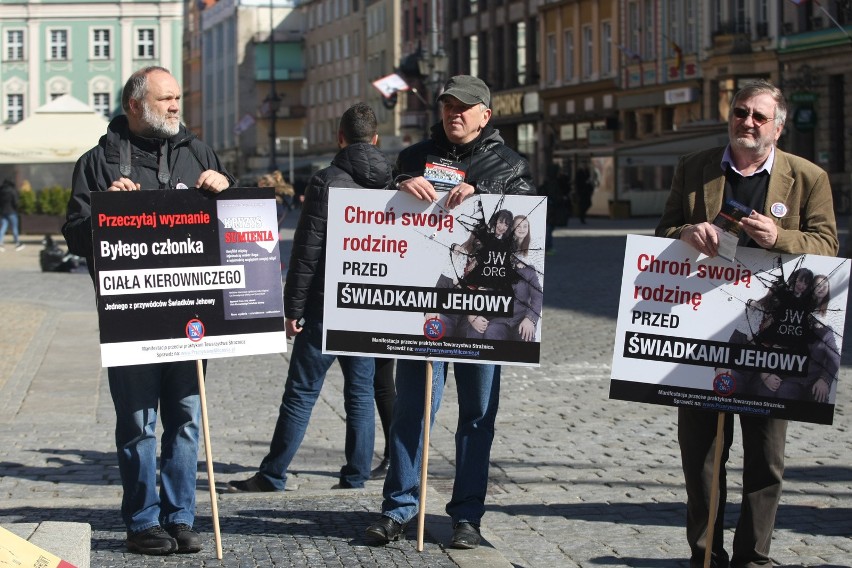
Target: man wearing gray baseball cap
(467, 89)
(465, 144)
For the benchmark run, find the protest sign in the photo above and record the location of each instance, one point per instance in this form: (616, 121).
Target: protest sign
(187, 275)
(761, 335)
(409, 279)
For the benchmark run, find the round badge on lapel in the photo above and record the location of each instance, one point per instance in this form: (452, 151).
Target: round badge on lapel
(778, 209)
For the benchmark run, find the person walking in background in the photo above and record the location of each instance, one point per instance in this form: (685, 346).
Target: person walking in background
(584, 186)
(792, 213)
(358, 164)
(9, 214)
(556, 210)
(465, 136)
(149, 148)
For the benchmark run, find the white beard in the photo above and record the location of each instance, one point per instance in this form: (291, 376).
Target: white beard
(158, 125)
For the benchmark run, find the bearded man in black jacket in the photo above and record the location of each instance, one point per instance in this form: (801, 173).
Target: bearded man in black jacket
(148, 148)
(358, 164)
(465, 141)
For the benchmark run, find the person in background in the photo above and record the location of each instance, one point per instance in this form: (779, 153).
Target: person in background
(9, 214)
(792, 213)
(358, 163)
(385, 393)
(149, 148)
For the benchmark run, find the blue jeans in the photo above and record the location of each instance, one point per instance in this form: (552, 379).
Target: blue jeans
(5, 222)
(137, 392)
(478, 388)
(308, 367)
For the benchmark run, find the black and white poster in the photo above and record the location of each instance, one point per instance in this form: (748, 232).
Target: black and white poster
(412, 280)
(187, 274)
(761, 335)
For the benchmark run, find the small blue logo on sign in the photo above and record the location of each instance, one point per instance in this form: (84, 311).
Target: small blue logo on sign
(195, 330)
(433, 329)
(724, 384)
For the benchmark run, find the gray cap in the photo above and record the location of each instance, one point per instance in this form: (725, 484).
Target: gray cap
(468, 89)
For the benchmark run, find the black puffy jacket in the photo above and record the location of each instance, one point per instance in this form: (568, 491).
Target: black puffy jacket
(359, 165)
(188, 157)
(490, 166)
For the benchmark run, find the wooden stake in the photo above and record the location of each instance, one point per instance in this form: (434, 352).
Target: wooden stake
(714, 488)
(208, 452)
(424, 465)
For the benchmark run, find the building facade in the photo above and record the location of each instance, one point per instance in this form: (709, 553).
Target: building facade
(106, 42)
(252, 72)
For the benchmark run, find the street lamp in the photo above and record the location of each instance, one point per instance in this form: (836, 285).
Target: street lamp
(272, 100)
(433, 68)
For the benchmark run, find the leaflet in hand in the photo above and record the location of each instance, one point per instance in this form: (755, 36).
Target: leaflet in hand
(442, 173)
(727, 225)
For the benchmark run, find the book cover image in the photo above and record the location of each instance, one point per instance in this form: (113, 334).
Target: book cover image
(442, 173)
(729, 217)
(727, 224)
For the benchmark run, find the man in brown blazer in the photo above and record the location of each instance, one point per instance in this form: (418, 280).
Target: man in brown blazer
(793, 213)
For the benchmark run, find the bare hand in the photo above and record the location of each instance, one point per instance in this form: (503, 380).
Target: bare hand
(458, 194)
(211, 180)
(761, 229)
(820, 390)
(292, 327)
(702, 237)
(527, 329)
(479, 323)
(124, 184)
(420, 188)
(771, 380)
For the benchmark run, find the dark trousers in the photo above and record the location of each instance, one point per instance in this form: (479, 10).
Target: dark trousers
(763, 469)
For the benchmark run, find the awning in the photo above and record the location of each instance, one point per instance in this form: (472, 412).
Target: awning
(58, 132)
(667, 151)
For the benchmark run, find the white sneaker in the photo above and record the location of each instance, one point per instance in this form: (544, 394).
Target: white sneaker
(19, 246)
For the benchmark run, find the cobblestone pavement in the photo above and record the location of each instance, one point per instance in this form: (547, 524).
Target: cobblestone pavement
(576, 479)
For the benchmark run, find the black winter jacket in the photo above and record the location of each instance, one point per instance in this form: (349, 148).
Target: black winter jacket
(359, 165)
(490, 166)
(187, 156)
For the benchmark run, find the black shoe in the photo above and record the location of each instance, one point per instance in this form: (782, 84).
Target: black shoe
(254, 484)
(187, 539)
(342, 485)
(381, 470)
(465, 535)
(153, 541)
(385, 530)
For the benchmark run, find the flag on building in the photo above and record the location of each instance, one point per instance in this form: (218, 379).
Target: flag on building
(678, 53)
(390, 84)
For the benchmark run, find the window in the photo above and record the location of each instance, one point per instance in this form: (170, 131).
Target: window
(634, 26)
(606, 49)
(649, 33)
(568, 60)
(550, 59)
(521, 53)
(58, 45)
(587, 47)
(100, 102)
(145, 43)
(101, 44)
(473, 55)
(14, 45)
(14, 108)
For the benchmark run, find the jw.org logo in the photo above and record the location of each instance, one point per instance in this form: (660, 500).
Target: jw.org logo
(724, 384)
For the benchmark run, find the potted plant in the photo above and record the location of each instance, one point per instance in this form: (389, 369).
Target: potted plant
(43, 212)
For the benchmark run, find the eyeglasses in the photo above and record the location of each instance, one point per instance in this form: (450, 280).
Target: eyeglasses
(758, 117)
